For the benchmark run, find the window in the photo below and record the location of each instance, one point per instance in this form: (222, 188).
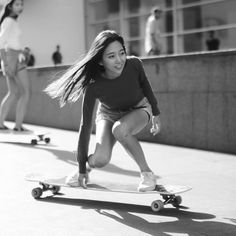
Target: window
(133, 6)
(185, 24)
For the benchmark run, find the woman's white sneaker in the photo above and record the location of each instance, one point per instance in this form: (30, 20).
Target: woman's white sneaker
(148, 182)
(72, 179)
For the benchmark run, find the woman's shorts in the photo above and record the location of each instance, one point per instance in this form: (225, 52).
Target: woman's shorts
(103, 113)
(12, 62)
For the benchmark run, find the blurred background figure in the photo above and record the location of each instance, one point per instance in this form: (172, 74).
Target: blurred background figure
(29, 57)
(212, 42)
(153, 41)
(13, 65)
(56, 56)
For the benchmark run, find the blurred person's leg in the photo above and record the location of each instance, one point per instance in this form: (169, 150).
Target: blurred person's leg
(8, 100)
(23, 85)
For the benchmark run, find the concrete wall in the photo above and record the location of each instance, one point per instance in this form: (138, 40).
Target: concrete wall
(42, 109)
(196, 95)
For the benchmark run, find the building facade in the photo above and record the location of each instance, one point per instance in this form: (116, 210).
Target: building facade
(185, 24)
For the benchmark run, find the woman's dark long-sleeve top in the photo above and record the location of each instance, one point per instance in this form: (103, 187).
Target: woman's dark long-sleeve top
(120, 93)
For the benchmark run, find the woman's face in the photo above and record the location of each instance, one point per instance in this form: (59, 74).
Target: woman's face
(113, 60)
(17, 7)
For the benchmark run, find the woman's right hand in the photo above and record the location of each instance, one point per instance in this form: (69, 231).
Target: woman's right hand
(83, 180)
(156, 125)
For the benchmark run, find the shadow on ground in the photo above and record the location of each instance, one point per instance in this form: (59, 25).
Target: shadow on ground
(70, 157)
(168, 221)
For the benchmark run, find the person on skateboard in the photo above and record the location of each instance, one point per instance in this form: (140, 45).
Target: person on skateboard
(126, 106)
(13, 65)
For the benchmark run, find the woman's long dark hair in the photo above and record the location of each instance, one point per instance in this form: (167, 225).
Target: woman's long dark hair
(70, 85)
(7, 11)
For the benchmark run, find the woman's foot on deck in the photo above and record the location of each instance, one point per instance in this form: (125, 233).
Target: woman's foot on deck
(148, 182)
(73, 178)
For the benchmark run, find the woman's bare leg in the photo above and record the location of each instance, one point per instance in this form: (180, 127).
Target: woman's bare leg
(24, 90)
(104, 145)
(124, 131)
(8, 100)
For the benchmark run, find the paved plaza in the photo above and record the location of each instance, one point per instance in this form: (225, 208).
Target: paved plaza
(208, 209)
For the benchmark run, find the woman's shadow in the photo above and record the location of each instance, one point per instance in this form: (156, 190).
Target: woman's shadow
(185, 223)
(70, 157)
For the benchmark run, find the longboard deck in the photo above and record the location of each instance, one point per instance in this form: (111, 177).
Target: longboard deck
(31, 137)
(169, 195)
(109, 186)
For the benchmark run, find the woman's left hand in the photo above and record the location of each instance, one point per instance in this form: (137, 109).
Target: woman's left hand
(21, 57)
(156, 125)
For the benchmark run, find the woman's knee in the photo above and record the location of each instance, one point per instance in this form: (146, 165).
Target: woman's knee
(120, 131)
(99, 160)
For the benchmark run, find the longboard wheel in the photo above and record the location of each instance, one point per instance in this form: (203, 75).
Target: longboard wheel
(177, 201)
(47, 140)
(34, 142)
(37, 193)
(55, 189)
(157, 205)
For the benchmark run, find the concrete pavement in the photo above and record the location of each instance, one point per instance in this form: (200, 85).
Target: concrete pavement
(208, 209)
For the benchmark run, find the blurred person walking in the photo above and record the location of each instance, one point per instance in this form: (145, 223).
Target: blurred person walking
(153, 40)
(13, 65)
(56, 56)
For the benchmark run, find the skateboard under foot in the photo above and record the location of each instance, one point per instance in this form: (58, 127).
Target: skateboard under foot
(169, 193)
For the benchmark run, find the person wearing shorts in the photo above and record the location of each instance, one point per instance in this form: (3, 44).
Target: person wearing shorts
(13, 66)
(126, 106)
(104, 113)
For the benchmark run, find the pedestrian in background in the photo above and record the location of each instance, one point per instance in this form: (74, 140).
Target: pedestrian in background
(13, 65)
(153, 41)
(29, 57)
(212, 42)
(56, 56)
(126, 106)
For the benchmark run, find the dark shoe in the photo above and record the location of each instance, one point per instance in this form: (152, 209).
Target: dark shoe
(4, 128)
(21, 129)
(18, 129)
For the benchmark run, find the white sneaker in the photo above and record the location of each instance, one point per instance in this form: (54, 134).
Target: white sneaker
(148, 182)
(72, 179)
